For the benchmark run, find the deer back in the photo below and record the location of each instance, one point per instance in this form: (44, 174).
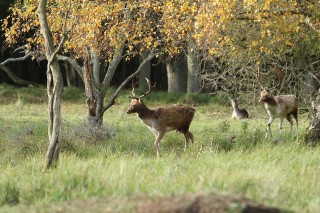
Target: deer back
(176, 117)
(283, 105)
(161, 119)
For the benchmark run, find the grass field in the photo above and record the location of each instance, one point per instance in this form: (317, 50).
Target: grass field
(229, 157)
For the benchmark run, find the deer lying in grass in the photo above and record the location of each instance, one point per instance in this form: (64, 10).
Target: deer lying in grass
(281, 106)
(162, 120)
(237, 112)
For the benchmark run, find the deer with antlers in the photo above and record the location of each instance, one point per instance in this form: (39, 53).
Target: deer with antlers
(281, 106)
(162, 120)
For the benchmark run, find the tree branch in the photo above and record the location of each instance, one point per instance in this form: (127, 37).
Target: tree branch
(16, 79)
(73, 63)
(112, 67)
(30, 54)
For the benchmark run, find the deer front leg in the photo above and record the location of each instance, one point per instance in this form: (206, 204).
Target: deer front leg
(280, 124)
(159, 136)
(269, 127)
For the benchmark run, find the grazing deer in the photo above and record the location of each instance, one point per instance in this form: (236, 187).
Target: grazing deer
(162, 120)
(237, 112)
(281, 106)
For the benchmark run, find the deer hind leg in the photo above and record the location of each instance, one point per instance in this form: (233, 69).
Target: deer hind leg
(288, 117)
(188, 136)
(295, 115)
(159, 136)
(268, 130)
(280, 124)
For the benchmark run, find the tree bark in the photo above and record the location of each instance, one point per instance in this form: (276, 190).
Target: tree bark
(95, 67)
(313, 132)
(54, 89)
(177, 74)
(194, 67)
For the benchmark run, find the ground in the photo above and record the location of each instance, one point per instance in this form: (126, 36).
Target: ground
(190, 203)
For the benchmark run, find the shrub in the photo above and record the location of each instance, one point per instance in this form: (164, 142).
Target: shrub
(77, 137)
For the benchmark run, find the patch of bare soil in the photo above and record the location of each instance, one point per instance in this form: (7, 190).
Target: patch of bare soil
(189, 203)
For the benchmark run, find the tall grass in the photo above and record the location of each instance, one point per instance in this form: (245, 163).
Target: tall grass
(228, 156)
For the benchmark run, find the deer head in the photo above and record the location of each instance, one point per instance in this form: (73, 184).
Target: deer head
(137, 104)
(266, 93)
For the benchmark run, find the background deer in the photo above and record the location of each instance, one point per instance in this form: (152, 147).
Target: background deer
(237, 112)
(281, 106)
(162, 120)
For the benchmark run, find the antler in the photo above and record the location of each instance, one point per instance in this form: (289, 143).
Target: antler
(259, 80)
(280, 74)
(146, 93)
(132, 92)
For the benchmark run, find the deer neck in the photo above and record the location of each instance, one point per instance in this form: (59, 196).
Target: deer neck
(145, 113)
(235, 106)
(270, 101)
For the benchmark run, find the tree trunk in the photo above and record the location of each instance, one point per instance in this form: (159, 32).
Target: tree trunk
(194, 67)
(68, 73)
(144, 73)
(96, 120)
(54, 89)
(177, 74)
(94, 95)
(95, 67)
(313, 132)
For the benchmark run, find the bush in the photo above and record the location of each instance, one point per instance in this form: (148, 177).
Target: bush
(24, 143)
(77, 137)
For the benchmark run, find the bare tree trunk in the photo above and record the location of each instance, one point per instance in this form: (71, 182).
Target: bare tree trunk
(313, 132)
(68, 73)
(54, 89)
(177, 74)
(95, 67)
(94, 96)
(194, 67)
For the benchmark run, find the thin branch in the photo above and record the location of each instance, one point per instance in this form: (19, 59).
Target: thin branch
(16, 79)
(315, 77)
(73, 63)
(30, 54)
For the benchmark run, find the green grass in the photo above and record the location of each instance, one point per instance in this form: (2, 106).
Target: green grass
(280, 172)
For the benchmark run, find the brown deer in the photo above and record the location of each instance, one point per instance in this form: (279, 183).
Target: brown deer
(162, 120)
(237, 112)
(280, 106)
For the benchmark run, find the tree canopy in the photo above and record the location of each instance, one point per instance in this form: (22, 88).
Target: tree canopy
(251, 31)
